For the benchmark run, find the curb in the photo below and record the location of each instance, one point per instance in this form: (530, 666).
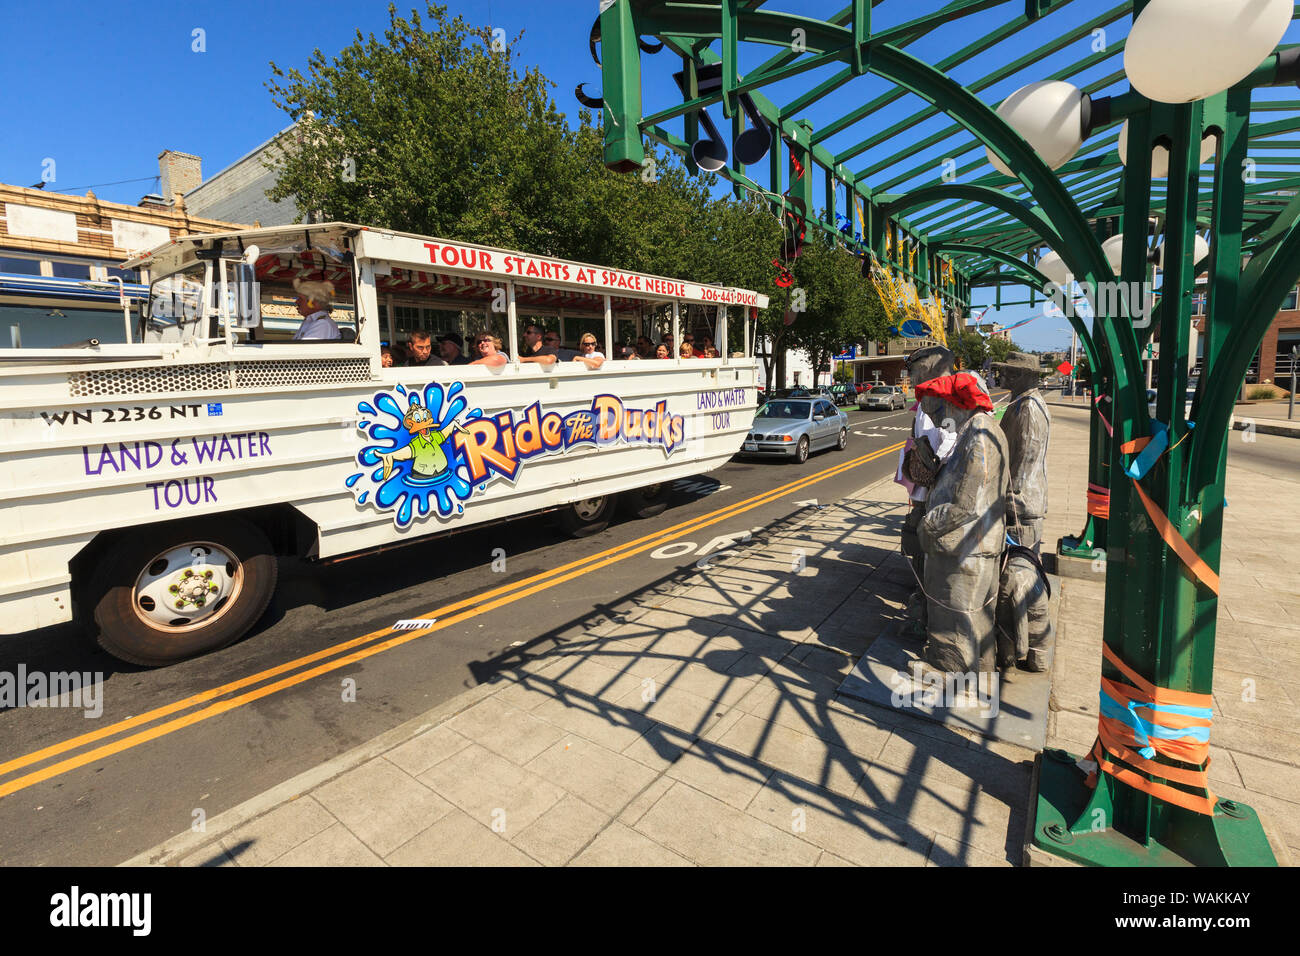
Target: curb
(186, 844)
(1266, 426)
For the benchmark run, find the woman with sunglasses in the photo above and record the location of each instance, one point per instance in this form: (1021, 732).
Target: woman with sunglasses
(485, 347)
(587, 353)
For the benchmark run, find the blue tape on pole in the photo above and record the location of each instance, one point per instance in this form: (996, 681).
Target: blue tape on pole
(1151, 453)
(1144, 729)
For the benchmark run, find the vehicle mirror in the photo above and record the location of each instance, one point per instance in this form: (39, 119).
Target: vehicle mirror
(819, 417)
(247, 296)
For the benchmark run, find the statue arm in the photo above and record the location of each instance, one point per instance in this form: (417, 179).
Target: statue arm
(940, 523)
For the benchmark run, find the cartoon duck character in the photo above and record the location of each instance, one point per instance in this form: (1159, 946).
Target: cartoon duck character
(424, 449)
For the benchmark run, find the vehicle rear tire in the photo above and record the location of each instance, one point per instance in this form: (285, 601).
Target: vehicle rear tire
(588, 516)
(844, 439)
(801, 450)
(646, 502)
(168, 593)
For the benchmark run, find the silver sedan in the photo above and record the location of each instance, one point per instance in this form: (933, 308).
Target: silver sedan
(887, 397)
(795, 427)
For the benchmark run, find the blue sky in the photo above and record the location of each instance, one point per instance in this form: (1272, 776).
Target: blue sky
(101, 89)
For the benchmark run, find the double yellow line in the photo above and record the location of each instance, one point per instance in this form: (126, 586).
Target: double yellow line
(371, 644)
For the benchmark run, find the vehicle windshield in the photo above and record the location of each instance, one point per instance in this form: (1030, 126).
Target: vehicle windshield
(175, 304)
(784, 410)
(881, 390)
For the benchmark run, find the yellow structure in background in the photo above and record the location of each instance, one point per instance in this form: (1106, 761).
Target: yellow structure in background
(902, 302)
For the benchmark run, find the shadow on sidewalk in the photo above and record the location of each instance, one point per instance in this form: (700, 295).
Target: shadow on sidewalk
(729, 672)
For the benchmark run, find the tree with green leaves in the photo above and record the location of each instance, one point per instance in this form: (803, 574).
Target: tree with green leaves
(432, 130)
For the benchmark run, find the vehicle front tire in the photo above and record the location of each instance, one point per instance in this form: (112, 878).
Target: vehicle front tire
(646, 502)
(168, 593)
(587, 517)
(801, 450)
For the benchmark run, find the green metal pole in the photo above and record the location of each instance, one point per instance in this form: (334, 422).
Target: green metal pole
(1159, 619)
(621, 88)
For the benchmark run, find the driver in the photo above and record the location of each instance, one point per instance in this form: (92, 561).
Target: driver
(314, 306)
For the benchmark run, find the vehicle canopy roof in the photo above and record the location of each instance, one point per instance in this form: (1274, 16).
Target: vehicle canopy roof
(453, 269)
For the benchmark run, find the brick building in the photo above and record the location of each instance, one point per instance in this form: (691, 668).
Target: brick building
(238, 192)
(60, 258)
(1272, 363)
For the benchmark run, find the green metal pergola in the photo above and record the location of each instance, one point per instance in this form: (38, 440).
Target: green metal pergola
(907, 102)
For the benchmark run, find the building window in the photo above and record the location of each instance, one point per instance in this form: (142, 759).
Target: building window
(126, 275)
(440, 321)
(70, 270)
(1289, 303)
(407, 318)
(23, 267)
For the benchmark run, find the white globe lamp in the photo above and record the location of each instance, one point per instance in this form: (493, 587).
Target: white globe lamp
(1049, 116)
(1183, 50)
(1160, 155)
(1054, 267)
(1113, 250)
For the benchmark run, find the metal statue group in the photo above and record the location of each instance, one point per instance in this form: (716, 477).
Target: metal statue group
(978, 489)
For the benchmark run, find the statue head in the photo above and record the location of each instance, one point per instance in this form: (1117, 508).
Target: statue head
(957, 399)
(927, 363)
(1019, 372)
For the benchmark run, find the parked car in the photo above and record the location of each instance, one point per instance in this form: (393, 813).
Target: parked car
(795, 427)
(885, 397)
(797, 392)
(1187, 407)
(844, 394)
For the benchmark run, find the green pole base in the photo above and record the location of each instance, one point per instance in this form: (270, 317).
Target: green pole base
(1089, 543)
(1072, 547)
(1071, 822)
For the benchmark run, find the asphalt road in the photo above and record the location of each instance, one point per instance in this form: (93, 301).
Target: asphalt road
(77, 790)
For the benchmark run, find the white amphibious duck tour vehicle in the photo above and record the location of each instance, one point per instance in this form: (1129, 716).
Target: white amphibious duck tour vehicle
(153, 482)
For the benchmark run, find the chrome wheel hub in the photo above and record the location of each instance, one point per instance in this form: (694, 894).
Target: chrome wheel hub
(588, 508)
(186, 586)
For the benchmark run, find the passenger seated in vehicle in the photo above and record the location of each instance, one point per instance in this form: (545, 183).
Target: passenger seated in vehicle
(386, 359)
(587, 353)
(486, 348)
(687, 350)
(534, 350)
(661, 351)
(551, 340)
(452, 347)
(314, 306)
(420, 345)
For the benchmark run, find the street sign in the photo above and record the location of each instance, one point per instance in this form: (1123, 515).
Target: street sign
(847, 355)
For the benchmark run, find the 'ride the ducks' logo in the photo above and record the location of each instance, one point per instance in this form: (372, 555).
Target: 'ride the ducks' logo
(435, 453)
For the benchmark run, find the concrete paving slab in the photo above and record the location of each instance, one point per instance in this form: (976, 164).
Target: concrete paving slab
(619, 845)
(275, 834)
(382, 825)
(1015, 710)
(458, 840)
(710, 833)
(335, 846)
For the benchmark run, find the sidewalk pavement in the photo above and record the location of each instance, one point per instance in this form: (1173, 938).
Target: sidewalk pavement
(1266, 418)
(698, 721)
